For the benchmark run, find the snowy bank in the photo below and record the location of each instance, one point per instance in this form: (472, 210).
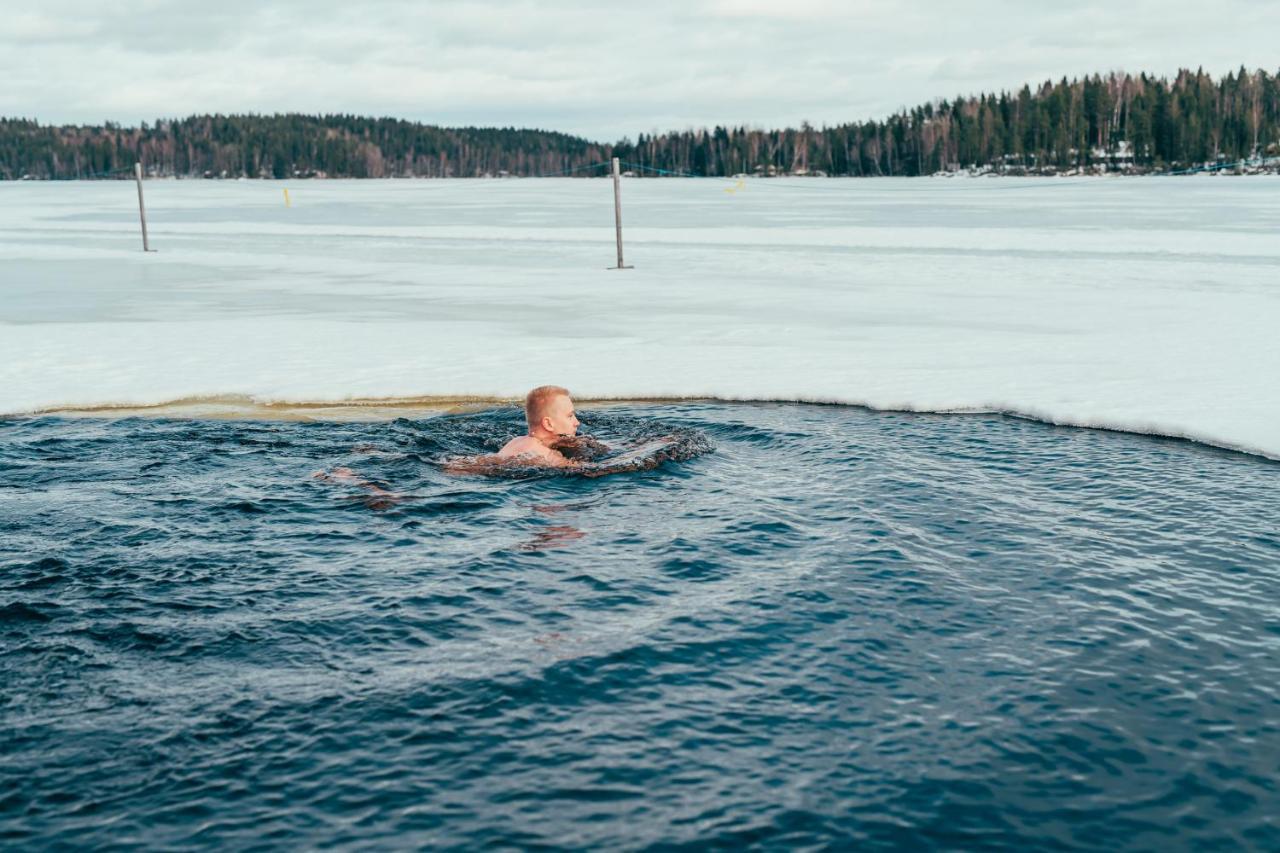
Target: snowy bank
(1147, 305)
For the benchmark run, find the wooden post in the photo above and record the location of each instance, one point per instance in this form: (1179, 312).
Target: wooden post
(142, 209)
(617, 212)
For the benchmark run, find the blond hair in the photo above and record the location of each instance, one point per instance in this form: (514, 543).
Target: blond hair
(537, 400)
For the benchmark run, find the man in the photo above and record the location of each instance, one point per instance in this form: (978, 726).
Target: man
(553, 432)
(548, 410)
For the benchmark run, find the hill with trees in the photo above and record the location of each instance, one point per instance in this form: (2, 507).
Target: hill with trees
(1116, 122)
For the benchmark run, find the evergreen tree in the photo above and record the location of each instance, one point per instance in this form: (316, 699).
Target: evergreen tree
(1070, 124)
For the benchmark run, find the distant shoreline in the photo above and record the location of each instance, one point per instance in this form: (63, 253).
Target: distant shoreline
(1112, 123)
(1270, 171)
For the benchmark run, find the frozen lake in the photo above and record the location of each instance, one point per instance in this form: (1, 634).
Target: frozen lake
(838, 628)
(1140, 304)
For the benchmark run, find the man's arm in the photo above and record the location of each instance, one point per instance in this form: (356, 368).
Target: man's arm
(580, 448)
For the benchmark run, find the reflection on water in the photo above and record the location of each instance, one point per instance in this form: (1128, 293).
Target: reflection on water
(555, 536)
(840, 629)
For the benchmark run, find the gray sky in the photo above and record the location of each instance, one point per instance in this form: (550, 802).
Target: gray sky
(597, 69)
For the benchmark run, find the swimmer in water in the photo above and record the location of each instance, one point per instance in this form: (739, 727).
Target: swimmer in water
(552, 440)
(548, 410)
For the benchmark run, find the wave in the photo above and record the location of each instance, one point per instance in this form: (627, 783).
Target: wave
(349, 409)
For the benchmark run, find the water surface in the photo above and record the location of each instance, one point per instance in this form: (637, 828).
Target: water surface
(838, 627)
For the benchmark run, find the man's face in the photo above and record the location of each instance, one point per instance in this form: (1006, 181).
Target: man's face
(559, 416)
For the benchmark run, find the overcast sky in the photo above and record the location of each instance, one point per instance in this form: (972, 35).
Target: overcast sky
(584, 67)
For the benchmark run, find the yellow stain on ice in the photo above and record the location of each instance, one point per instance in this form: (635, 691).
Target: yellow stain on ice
(352, 410)
(287, 203)
(740, 185)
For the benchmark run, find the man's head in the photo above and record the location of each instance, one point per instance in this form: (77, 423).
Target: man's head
(549, 412)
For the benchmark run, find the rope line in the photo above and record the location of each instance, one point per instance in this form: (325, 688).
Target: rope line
(677, 173)
(1218, 167)
(658, 171)
(88, 176)
(566, 171)
(481, 184)
(816, 186)
(569, 171)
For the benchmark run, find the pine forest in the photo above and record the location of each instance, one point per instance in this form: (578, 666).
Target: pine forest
(1115, 122)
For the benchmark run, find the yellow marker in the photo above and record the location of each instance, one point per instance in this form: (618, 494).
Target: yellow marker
(741, 185)
(287, 203)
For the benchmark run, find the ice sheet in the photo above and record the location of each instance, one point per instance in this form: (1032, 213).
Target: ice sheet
(1147, 304)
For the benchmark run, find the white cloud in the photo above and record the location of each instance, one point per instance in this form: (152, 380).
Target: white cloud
(581, 66)
(790, 9)
(35, 27)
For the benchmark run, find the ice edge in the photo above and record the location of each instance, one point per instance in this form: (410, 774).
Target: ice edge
(259, 407)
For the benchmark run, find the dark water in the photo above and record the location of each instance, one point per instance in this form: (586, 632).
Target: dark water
(840, 628)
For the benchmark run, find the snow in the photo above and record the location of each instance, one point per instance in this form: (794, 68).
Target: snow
(1145, 304)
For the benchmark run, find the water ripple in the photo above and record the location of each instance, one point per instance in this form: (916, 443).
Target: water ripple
(842, 628)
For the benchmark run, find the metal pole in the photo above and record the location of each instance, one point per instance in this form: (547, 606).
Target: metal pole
(142, 209)
(617, 211)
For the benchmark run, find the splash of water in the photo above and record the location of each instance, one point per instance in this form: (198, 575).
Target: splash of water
(618, 445)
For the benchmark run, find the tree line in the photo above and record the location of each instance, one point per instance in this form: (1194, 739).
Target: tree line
(1112, 122)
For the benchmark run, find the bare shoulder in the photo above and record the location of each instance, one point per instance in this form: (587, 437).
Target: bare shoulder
(529, 448)
(525, 445)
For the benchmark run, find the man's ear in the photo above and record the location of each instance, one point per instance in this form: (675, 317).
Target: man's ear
(546, 423)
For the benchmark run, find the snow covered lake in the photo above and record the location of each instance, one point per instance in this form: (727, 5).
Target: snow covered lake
(1139, 304)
